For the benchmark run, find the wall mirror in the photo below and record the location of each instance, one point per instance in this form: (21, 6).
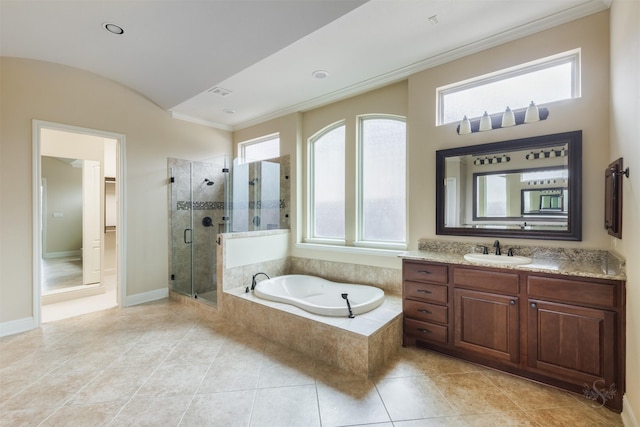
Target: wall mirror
(525, 188)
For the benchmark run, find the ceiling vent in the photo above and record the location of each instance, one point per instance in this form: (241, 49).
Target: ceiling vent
(219, 91)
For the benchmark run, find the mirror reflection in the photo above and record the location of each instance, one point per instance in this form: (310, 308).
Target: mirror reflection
(520, 188)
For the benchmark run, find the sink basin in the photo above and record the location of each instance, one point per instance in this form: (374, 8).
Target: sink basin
(498, 259)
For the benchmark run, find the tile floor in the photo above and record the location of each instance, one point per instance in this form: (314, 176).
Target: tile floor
(167, 364)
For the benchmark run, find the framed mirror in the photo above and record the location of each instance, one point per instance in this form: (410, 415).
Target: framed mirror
(525, 188)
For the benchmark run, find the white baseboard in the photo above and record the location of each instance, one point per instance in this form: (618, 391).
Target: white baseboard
(146, 297)
(628, 417)
(63, 254)
(16, 326)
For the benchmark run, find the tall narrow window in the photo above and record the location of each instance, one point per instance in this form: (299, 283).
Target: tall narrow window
(382, 195)
(327, 184)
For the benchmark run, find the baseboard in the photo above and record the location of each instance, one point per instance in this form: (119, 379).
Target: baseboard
(17, 326)
(146, 297)
(75, 292)
(628, 417)
(50, 255)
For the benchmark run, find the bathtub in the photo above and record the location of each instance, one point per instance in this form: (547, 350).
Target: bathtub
(318, 295)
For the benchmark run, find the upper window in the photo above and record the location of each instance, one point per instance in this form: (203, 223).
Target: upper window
(546, 80)
(327, 184)
(382, 195)
(263, 148)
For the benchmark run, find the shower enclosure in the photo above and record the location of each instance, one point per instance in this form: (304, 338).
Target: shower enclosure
(198, 213)
(208, 198)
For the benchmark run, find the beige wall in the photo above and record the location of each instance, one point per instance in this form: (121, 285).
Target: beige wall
(625, 142)
(590, 113)
(45, 91)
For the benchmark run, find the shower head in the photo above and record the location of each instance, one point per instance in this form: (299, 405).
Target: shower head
(209, 182)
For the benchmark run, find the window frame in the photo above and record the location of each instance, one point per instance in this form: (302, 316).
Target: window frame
(573, 57)
(255, 141)
(359, 240)
(310, 187)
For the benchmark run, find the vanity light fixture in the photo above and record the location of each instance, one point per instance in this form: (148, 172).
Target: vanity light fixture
(508, 118)
(485, 122)
(532, 114)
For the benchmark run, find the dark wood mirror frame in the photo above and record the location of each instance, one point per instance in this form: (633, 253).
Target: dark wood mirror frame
(574, 165)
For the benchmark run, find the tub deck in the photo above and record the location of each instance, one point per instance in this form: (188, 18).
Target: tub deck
(361, 345)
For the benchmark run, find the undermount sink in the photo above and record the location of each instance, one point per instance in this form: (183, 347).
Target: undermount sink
(498, 259)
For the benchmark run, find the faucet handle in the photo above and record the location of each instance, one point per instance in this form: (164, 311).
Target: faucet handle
(485, 250)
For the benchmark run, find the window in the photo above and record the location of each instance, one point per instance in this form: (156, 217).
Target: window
(327, 189)
(382, 195)
(263, 148)
(546, 80)
(379, 205)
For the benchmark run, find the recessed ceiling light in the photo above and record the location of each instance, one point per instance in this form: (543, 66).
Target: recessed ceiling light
(229, 111)
(320, 74)
(113, 28)
(434, 19)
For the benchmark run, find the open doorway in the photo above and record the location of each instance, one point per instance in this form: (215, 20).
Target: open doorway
(78, 202)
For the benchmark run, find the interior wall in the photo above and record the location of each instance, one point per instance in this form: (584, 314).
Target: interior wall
(625, 131)
(590, 113)
(64, 196)
(55, 93)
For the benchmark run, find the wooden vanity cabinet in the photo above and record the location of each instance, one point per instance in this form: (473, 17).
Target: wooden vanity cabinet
(425, 303)
(561, 330)
(487, 313)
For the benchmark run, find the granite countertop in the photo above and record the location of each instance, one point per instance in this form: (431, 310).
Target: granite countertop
(599, 264)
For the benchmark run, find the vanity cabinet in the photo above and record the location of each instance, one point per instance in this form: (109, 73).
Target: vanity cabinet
(562, 330)
(425, 303)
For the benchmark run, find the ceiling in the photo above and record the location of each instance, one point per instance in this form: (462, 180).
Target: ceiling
(263, 52)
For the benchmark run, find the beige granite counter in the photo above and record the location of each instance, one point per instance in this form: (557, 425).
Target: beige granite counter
(597, 264)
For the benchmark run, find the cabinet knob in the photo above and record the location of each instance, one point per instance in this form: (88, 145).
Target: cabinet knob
(512, 302)
(534, 305)
(424, 311)
(424, 331)
(424, 291)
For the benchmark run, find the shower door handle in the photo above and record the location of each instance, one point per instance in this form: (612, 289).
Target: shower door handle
(184, 236)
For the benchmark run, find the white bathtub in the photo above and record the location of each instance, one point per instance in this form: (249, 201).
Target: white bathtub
(320, 296)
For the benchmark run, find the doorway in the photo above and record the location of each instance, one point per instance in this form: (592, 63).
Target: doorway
(78, 221)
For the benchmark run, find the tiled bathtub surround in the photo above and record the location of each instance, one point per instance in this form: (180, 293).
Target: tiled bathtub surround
(568, 261)
(361, 345)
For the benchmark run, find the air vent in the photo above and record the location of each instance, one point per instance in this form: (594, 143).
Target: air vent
(219, 91)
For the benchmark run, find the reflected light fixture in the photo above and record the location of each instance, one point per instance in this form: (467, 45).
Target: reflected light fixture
(532, 114)
(508, 118)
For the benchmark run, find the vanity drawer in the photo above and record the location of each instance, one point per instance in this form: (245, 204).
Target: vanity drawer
(573, 291)
(424, 272)
(425, 311)
(493, 281)
(425, 292)
(425, 331)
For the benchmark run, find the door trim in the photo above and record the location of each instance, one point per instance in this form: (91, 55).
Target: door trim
(37, 126)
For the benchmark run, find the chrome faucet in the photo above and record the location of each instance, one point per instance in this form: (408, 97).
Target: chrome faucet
(496, 245)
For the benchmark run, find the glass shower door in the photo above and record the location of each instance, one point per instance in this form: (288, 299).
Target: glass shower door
(181, 226)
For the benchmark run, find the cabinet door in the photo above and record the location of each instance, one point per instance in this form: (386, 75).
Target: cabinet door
(487, 324)
(573, 343)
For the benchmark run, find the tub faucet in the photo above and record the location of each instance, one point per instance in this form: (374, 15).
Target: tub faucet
(253, 279)
(496, 245)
